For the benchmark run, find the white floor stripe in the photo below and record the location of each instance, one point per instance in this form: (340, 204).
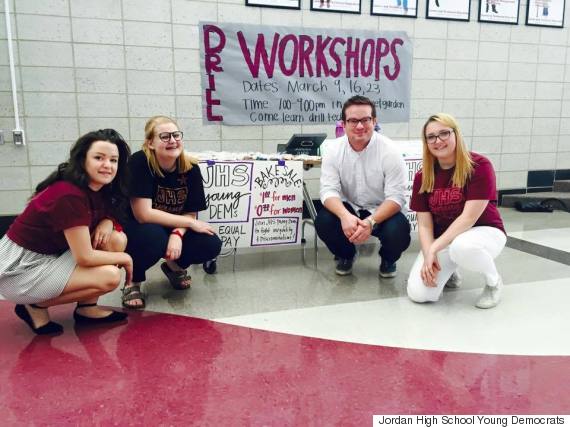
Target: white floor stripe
(557, 238)
(532, 319)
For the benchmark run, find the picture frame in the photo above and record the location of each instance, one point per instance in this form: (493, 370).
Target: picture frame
(278, 4)
(398, 8)
(499, 11)
(344, 6)
(451, 10)
(545, 13)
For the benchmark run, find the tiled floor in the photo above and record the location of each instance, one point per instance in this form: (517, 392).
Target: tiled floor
(287, 342)
(552, 237)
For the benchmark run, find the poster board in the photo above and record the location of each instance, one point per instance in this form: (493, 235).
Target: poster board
(347, 6)
(499, 11)
(253, 203)
(453, 10)
(282, 4)
(275, 75)
(402, 8)
(412, 152)
(545, 13)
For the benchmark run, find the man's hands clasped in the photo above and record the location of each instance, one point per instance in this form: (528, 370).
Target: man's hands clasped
(355, 229)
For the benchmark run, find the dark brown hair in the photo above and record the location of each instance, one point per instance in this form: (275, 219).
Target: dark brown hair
(357, 100)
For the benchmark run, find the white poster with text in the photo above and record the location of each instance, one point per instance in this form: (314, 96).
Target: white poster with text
(254, 203)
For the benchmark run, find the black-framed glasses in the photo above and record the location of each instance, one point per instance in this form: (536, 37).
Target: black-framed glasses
(165, 136)
(365, 121)
(443, 136)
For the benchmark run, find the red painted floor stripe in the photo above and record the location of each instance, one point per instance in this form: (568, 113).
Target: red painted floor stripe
(165, 369)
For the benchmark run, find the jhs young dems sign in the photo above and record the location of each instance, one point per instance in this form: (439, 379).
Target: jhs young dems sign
(259, 75)
(253, 203)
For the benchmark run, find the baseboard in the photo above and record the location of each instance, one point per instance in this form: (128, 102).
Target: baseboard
(536, 182)
(502, 193)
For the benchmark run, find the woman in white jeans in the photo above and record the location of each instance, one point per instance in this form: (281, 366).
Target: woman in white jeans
(455, 198)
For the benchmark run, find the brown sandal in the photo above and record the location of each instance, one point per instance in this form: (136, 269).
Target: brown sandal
(131, 293)
(180, 280)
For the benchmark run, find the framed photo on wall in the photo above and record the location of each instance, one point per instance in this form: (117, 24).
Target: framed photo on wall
(402, 8)
(347, 6)
(499, 11)
(281, 4)
(545, 13)
(454, 10)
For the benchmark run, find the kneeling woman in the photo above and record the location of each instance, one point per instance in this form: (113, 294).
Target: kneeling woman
(166, 193)
(455, 198)
(65, 247)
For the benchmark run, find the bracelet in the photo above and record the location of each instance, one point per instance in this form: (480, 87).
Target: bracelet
(371, 222)
(178, 233)
(116, 225)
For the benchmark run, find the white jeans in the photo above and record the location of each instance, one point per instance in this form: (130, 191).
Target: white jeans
(473, 250)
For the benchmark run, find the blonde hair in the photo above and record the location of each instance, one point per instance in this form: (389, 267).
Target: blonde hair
(464, 164)
(185, 162)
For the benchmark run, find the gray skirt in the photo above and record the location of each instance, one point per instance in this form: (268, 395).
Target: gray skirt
(28, 277)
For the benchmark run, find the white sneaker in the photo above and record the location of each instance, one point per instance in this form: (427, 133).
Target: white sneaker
(491, 295)
(454, 281)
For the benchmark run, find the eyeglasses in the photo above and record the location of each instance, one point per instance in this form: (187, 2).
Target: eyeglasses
(165, 136)
(364, 121)
(443, 136)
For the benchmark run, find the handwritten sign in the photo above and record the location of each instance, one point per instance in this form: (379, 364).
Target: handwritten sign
(254, 203)
(228, 188)
(412, 152)
(260, 75)
(274, 231)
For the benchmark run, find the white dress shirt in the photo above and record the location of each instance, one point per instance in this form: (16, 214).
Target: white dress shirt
(366, 178)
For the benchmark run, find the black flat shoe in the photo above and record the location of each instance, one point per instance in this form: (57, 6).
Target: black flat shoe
(114, 316)
(47, 329)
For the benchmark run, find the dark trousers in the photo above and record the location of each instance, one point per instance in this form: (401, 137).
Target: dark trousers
(147, 245)
(394, 234)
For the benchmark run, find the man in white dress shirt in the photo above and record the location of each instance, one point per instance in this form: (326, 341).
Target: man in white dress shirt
(363, 179)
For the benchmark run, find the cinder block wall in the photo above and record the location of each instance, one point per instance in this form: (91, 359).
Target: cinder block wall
(85, 64)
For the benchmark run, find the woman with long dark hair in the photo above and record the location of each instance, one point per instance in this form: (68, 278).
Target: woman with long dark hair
(67, 246)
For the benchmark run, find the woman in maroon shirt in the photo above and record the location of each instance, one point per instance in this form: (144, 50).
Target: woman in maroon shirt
(65, 247)
(455, 198)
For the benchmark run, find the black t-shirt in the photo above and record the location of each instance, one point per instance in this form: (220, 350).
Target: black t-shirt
(176, 193)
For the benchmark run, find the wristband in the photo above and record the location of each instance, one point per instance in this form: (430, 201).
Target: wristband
(371, 221)
(116, 226)
(178, 233)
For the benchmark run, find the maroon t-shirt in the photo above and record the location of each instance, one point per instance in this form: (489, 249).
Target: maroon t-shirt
(446, 203)
(60, 206)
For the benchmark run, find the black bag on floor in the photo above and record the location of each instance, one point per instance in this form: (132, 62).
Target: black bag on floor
(532, 207)
(546, 205)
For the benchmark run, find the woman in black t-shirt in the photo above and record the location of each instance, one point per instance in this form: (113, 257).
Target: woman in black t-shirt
(166, 192)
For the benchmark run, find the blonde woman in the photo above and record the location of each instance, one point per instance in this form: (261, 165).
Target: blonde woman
(455, 198)
(166, 192)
